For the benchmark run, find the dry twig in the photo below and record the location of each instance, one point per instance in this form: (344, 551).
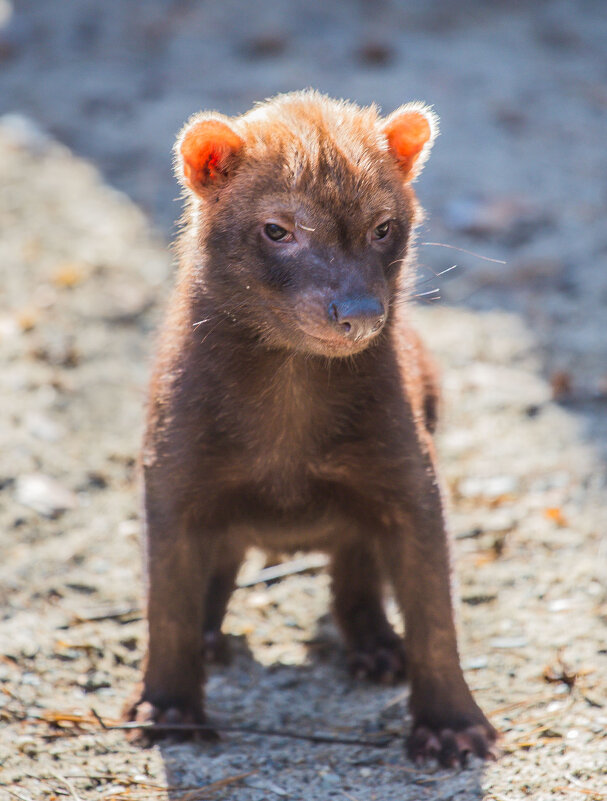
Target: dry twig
(583, 790)
(302, 565)
(202, 792)
(327, 739)
(67, 784)
(56, 718)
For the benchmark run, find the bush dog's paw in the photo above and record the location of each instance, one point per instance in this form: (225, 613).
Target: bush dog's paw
(452, 747)
(216, 648)
(384, 662)
(169, 720)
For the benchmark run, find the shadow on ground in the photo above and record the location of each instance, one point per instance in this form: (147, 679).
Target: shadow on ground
(294, 699)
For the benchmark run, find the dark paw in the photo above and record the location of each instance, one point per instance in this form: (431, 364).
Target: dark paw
(451, 748)
(216, 648)
(178, 723)
(384, 663)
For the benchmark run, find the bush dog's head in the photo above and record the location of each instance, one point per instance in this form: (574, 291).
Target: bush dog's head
(300, 213)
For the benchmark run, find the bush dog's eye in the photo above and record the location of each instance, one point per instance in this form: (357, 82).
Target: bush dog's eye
(276, 232)
(381, 230)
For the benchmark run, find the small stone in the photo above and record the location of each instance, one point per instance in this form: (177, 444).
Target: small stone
(270, 44)
(27, 647)
(96, 479)
(126, 304)
(23, 133)
(129, 529)
(511, 118)
(43, 428)
(376, 53)
(509, 217)
(508, 642)
(15, 30)
(487, 486)
(475, 663)
(96, 680)
(538, 273)
(268, 787)
(259, 600)
(44, 495)
(499, 521)
(561, 604)
(330, 778)
(479, 598)
(27, 745)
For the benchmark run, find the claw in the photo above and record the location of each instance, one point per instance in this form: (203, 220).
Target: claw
(450, 747)
(146, 712)
(384, 663)
(217, 648)
(449, 752)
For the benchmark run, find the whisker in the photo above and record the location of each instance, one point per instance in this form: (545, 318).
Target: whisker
(221, 316)
(402, 298)
(463, 250)
(447, 270)
(210, 331)
(437, 275)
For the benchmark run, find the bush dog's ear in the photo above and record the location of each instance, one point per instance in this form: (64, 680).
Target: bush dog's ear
(206, 151)
(410, 131)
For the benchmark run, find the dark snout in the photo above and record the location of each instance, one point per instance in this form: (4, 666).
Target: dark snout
(357, 317)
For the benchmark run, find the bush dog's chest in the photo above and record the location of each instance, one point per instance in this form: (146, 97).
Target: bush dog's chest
(287, 431)
(299, 447)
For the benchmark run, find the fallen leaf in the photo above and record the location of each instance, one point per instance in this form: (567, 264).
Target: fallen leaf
(561, 384)
(555, 513)
(27, 318)
(69, 274)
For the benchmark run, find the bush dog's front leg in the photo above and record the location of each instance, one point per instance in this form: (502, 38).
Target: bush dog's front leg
(447, 723)
(179, 563)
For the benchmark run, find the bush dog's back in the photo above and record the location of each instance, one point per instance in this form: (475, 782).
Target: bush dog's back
(292, 406)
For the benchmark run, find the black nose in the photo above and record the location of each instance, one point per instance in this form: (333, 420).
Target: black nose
(357, 317)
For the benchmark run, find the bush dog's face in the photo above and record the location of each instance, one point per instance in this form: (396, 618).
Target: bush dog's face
(303, 210)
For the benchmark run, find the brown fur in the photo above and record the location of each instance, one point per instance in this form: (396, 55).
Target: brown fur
(270, 425)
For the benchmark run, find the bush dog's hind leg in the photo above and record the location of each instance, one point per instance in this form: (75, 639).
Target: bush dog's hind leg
(375, 650)
(447, 723)
(179, 562)
(220, 587)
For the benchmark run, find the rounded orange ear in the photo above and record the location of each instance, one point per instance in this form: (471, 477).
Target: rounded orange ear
(207, 150)
(410, 131)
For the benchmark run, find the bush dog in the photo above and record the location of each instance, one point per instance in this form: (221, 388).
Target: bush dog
(292, 406)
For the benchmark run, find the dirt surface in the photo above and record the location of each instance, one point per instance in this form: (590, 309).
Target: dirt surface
(517, 175)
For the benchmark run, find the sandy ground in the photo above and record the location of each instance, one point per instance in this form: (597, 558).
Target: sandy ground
(517, 175)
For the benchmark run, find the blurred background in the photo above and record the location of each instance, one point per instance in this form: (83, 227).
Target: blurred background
(518, 173)
(92, 95)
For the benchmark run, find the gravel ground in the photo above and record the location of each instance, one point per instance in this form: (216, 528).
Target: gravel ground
(524, 360)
